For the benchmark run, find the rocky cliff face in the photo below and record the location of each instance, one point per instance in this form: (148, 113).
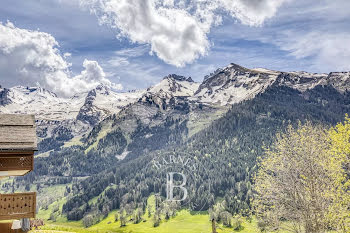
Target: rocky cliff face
(4, 96)
(91, 113)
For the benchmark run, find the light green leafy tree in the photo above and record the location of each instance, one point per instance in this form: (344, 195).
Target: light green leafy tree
(301, 182)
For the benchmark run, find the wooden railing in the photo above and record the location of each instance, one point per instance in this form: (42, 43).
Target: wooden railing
(23, 163)
(17, 205)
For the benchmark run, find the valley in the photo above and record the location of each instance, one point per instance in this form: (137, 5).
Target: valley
(97, 146)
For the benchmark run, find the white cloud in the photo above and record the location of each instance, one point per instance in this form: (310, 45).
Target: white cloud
(90, 77)
(177, 30)
(329, 51)
(312, 33)
(31, 57)
(66, 55)
(252, 12)
(118, 61)
(122, 56)
(307, 35)
(132, 52)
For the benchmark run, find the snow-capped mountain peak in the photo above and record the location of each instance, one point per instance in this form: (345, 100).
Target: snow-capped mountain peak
(234, 83)
(36, 100)
(76, 114)
(174, 85)
(172, 90)
(101, 102)
(178, 78)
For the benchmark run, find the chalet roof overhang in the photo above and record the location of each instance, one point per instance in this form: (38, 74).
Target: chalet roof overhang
(17, 134)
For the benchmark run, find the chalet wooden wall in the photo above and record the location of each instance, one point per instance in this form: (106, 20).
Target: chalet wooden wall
(17, 205)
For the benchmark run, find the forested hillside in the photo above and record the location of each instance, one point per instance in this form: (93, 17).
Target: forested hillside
(227, 149)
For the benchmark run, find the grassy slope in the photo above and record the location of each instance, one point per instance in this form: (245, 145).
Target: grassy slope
(198, 122)
(107, 128)
(184, 222)
(73, 142)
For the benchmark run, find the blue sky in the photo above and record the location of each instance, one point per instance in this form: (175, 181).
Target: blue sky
(288, 35)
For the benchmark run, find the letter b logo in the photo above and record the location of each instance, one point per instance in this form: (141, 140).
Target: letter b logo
(170, 186)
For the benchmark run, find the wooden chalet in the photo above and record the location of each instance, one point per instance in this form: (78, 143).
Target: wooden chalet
(17, 147)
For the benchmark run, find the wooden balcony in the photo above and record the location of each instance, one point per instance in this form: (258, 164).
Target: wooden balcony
(17, 205)
(16, 164)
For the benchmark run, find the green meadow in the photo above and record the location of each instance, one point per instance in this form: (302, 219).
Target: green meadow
(184, 222)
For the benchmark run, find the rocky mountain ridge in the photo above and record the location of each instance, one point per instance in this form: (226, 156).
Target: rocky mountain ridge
(226, 86)
(235, 83)
(175, 96)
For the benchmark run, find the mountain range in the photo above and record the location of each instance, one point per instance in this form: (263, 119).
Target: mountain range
(97, 143)
(233, 84)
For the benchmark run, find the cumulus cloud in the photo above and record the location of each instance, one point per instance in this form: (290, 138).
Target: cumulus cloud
(251, 12)
(177, 30)
(31, 57)
(89, 78)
